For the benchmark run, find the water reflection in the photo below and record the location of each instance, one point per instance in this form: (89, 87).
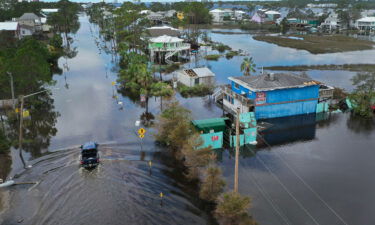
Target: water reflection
(39, 128)
(267, 54)
(289, 129)
(361, 125)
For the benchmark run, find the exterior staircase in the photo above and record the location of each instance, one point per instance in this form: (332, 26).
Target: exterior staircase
(218, 95)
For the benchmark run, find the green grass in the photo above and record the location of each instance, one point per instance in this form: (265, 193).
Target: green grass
(214, 57)
(319, 44)
(348, 67)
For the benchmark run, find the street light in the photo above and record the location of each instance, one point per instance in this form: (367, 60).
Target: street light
(22, 98)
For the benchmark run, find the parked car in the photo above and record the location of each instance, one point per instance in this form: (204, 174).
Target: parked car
(89, 157)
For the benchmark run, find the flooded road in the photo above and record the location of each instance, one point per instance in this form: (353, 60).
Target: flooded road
(317, 171)
(122, 187)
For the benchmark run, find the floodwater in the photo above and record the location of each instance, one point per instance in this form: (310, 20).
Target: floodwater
(266, 54)
(314, 169)
(122, 189)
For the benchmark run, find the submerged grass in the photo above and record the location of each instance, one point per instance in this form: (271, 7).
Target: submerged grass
(319, 44)
(214, 57)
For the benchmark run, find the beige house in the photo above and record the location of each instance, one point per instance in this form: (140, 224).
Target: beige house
(31, 20)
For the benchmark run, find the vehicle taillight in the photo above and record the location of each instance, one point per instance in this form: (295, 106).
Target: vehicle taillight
(81, 162)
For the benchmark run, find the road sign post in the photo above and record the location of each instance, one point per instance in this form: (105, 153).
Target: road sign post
(141, 135)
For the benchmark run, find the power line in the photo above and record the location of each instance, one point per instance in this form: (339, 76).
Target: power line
(266, 196)
(285, 188)
(306, 184)
(269, 200)
(303, 181)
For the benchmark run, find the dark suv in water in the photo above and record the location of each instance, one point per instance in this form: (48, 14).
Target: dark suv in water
(89, 157)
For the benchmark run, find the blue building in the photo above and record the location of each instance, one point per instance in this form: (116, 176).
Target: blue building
(275, 95)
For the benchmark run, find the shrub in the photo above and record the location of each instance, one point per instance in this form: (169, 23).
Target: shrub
(171, 68)
(198, 90)
(56, 41)
(232, 209)
(173, 115)
(195, 156)
(213, 184)
(4, 143)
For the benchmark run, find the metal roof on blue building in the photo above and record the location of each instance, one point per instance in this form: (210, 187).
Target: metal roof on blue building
(273, 81)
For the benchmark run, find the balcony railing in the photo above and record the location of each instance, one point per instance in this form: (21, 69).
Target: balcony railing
(325, 92)
(180, 47)
(243, 99)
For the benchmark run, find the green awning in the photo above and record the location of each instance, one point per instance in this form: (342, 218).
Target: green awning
(216, 124)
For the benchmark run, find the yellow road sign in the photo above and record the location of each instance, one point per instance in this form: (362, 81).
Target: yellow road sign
(26, 113)
(113, 83)
(141, 136)
(141, 131)
(180, 15)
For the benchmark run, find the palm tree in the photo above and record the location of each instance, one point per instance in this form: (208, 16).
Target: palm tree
(248, 66)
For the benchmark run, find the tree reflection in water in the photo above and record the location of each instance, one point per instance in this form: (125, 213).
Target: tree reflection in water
(39, 128)
(359, 124)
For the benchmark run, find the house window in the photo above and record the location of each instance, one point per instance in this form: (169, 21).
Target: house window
(23, 32)
(236, 85)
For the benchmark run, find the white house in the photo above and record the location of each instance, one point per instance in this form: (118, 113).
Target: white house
(153, 16)
(170, 13)
(366, 23)
(264, 15)
(166, 46)
(217, 15)
(48, 11)
(26, 30)
(10, 27)
(31, 20)
(332, 22)
(327, 5)
(145, 12)
(192, 77)
(238, 14)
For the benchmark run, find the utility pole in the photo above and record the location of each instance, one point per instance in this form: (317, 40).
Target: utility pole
(237, 150)
(12, 89)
